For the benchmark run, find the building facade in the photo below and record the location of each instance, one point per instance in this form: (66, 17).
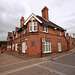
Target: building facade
(37, 35)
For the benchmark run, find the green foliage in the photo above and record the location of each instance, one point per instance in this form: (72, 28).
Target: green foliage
(5, 46)
(3, 42)
(72, 43)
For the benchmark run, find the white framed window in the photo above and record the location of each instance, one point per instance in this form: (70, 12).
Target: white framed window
(15, 47)
(45, 29)
(33, 26)
(12, 46)
(16, 35)
(60, 33)
(47, 47)
(24, 31)
(13, 37)
(59, 46)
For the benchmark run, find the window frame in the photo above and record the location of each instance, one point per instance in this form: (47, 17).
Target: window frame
(16, 35)
(60, 33)
(47, 44)
(59, 48)
(33, 25)
(13, 37)
(24, 31)
(46, 29)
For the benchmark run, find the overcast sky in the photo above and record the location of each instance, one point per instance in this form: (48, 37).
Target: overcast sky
(61, 12)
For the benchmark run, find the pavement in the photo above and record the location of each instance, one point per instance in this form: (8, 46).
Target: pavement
(56, 64)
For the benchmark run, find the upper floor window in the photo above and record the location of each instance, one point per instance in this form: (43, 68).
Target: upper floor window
(33, 26)
(45, 29)
(13, 37)
(60, 33)
(16, 35)
(24, 31)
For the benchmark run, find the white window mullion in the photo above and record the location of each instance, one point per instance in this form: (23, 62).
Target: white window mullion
(32, 26)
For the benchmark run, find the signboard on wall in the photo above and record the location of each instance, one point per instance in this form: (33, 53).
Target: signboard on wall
(8, 46)
(43, 39)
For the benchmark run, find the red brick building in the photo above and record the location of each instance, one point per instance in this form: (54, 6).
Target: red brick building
(37, 35)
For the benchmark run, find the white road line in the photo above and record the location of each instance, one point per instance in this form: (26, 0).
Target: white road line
(32, 59)
(62, 56)
(49, 69)
(63, 64)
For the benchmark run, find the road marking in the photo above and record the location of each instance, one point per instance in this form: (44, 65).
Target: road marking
(33, 59)
(17, 63)
(62, 56)
(63, 64)
(17, 69)
(49, 69)
(14, 70)
(21, 68)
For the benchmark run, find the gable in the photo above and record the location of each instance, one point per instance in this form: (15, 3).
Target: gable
(32, 16)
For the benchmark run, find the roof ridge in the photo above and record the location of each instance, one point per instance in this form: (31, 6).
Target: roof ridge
(52, 23)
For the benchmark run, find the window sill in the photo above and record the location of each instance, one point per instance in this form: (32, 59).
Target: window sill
(47, 52)
(23, 33)
(60, 35)
(45, 32)
(60, 51)
(32, 31)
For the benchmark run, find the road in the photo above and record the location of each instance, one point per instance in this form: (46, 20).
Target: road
(64, 65)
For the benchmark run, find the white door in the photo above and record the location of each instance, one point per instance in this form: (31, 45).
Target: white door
(23, 47)
(15, 47)
(59, 46)
(12, 46)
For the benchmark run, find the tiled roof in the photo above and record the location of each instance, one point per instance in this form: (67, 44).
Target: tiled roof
(16, 28)
(49, 23)
(44, 22)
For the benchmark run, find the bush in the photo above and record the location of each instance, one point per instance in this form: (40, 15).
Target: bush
(5, 46)
(3, 42)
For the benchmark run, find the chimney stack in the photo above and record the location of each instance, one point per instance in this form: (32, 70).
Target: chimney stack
(22, 21)
(45, 13)
(67, 34)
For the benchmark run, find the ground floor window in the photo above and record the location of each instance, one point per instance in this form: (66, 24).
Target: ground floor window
(59, 46)
(47, 47)
(15, 47)
(12, 46)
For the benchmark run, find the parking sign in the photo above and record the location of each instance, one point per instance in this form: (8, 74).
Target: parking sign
(43, 39)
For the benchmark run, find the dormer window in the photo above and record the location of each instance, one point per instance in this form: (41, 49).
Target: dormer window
(33, 26)
(45, 29)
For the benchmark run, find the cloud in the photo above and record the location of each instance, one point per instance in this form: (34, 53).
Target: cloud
(10, 14)
(61, 12)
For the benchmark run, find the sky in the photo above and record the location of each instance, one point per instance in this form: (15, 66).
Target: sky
(61, 12)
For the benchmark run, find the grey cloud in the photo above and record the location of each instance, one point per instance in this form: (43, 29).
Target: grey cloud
(61, 12)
